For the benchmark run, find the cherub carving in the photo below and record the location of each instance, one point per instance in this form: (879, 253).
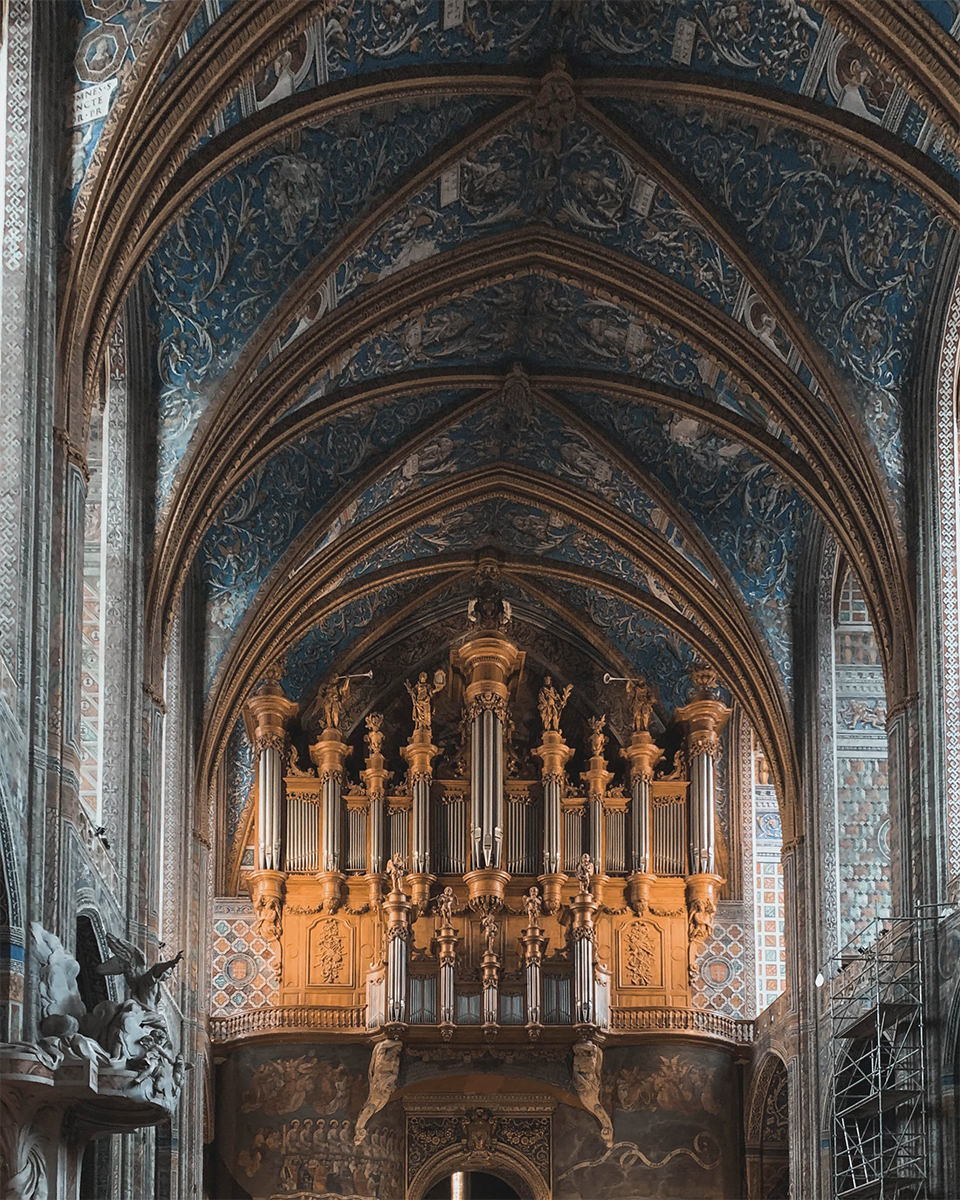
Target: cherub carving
(421, 693)
(489, 928)
(396, 869)
(551, 704)
(699, 929)
(445, 903)
(374, 735)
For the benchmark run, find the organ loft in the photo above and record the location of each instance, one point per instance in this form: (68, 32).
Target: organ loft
(485, 862)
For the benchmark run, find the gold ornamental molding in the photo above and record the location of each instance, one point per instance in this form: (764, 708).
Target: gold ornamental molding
(842, 473)
(906, 43)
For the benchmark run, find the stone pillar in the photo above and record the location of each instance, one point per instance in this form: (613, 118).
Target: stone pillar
(375, 778)
(488, 664)
(329, 754)
(642, 755)
(554, 753)
(398, 911)
(595, 779)
(584, 907)
(419, 754)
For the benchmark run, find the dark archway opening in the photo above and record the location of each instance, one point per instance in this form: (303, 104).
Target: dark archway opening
(472, 1185)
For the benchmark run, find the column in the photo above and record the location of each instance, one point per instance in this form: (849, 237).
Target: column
(375, 778)
(584, 907)
(554, 753)
(533, 946)
(642, 755)
(490, 974)
(703, 719)
(596, 778)
(265, 717)
(419, 754)
(446, 943)
(329, 754)
(488, 664)
(398, 910)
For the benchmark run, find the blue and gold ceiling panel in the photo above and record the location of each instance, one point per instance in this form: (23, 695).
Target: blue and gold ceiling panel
(225, 263)
(852, 250)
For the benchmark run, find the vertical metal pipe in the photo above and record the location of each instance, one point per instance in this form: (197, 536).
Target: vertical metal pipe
(476, 799)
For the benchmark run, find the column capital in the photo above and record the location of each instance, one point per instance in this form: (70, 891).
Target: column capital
(267, 712)
(703, 721)
(419, 754)
(329, 754)
(488, 664)
(554, 753)
(642, 755)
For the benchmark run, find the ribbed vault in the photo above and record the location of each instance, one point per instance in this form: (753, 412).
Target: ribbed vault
(628, 294)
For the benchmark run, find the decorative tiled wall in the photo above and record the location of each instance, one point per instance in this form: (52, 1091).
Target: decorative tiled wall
(860, 715)
(243, 967)
(768, 906)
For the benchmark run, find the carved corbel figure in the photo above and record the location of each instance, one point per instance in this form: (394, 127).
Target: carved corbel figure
(699, 928)
(587, 1071)
(384, 1069)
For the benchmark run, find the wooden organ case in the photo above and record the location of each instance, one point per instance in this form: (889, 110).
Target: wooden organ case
(485, 905)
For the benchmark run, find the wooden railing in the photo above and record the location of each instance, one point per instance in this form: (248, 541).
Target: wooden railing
(681, 1020)
(291, 1019)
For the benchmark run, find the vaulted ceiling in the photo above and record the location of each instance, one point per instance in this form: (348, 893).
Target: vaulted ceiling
(631, 291)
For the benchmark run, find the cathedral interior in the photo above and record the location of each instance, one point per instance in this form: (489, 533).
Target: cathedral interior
(479, 625)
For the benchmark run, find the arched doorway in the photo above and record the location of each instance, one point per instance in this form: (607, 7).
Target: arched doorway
(473, 1185)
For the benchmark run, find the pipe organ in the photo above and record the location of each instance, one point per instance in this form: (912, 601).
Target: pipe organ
(483, 900)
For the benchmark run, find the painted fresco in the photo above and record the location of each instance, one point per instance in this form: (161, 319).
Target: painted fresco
(756, 518)
(275, 502)
(675, 1130)
(286, 1121)
(224, 263)
(665, 657)
(589, 188)
(825, 214)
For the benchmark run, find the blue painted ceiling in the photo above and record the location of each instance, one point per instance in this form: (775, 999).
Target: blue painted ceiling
(348, 285)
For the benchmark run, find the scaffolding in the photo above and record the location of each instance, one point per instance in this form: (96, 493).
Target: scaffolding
(879, 1115)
